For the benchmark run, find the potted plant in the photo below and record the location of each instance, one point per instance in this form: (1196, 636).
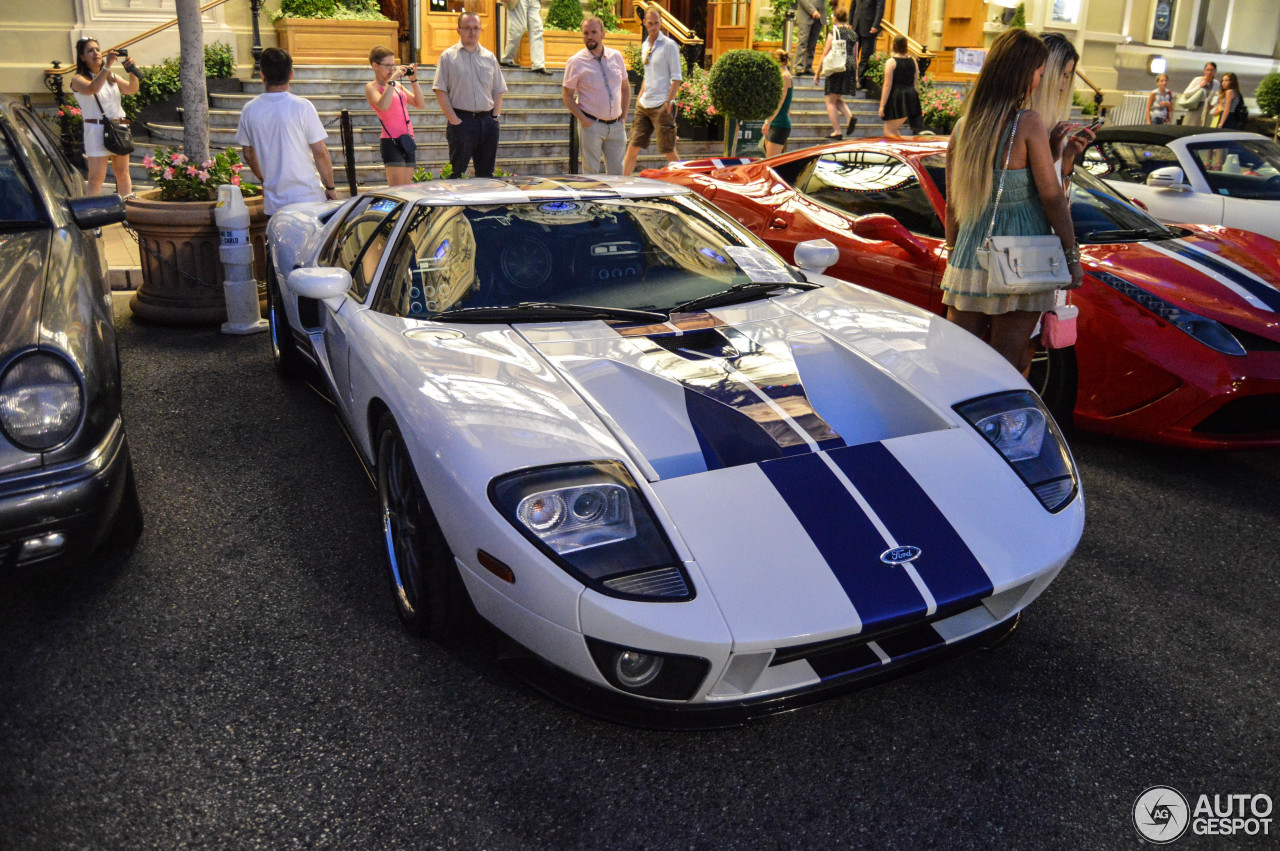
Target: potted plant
(941, 106)
(332, 32)
(635, 65)
(695, 112)
(562, 31)
(746, 86)
(178, 238)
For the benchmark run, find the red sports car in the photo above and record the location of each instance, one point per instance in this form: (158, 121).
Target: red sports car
(1179, 329)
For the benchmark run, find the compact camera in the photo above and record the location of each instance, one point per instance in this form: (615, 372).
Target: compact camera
(123, 53)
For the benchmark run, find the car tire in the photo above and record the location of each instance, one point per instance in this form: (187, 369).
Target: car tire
(284, 349)
(127, 526)
(1053, 375)
(430, 597)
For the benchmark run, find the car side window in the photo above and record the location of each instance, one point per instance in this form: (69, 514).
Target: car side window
(360, 240)
(434, 265)
(1127, 162)
(52, 149)
(42, 162)
(863, 182)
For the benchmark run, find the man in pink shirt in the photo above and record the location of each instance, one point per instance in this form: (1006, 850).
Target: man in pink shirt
(596, 92)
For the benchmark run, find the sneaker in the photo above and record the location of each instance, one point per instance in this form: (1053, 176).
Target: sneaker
(853, 124)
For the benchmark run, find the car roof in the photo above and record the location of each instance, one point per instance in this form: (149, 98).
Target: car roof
(532, 188)
(1156, 134)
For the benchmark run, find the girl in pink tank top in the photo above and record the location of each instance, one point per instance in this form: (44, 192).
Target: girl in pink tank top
(390, 99)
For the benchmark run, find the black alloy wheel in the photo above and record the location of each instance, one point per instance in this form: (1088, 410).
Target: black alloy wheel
(284, 349)
(1053, 375)
(430, 598)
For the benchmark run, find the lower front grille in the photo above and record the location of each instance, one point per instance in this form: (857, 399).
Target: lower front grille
(1246, 415)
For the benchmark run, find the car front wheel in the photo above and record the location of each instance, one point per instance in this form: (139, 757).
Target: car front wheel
(1053, 376)
(429, 594)
(284, 351)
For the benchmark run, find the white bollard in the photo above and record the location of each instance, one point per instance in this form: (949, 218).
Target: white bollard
(240, 289)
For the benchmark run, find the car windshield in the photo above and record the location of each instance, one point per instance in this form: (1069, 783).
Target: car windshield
(1240, 168)
(19, 208)
(1098, 213)
(646, 254)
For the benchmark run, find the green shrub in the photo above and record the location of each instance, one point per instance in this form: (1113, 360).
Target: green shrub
(1019, 21)
(634, 58)
(875, 67)
(308, 8)
(338, 10)
(564, 15)
(1268, 95)
(1086, 102)
(604, 10)
(745, 84)
(219, 60)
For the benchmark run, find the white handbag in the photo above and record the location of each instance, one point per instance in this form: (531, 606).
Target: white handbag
(1020, 265)
(836, 59)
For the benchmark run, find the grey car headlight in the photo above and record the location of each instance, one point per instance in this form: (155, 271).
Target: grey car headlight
(40, 401)
(592, 520)
(1018, 426)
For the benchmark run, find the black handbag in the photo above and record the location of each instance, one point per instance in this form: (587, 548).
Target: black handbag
(117, 137)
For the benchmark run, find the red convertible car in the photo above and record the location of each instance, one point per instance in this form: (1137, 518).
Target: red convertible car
(1179, 329)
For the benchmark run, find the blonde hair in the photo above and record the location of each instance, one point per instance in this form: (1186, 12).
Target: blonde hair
(1001, 89)
(1053, 100)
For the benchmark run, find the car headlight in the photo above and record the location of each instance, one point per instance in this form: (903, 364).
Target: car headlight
(1017, 426)
(40, 401)
(592, 520)
(1208, 331)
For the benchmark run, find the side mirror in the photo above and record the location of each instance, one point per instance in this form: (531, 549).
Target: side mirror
(881, 227)
(95, 211)
(321, 283)
(1169, 177)
(816, 255)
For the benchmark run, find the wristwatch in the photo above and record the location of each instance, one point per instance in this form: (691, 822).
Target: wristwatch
(335, 189)
(1073, 254)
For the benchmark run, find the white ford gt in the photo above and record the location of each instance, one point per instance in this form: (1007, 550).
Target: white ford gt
(696, 483)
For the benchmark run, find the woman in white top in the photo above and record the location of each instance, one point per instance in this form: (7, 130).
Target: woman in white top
(95, 83)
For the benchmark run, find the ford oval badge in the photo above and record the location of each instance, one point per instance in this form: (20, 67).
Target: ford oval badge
(900, 555)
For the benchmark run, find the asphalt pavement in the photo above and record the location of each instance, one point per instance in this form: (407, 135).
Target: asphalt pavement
(240, 680)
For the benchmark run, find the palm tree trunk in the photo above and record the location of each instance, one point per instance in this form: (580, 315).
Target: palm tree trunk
(195, 101)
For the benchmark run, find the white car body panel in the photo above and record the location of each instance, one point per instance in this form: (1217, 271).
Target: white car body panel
(474, 402)
(1195, 202)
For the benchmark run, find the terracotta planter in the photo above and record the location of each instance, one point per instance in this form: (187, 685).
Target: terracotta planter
(327, 42)
(181, 271)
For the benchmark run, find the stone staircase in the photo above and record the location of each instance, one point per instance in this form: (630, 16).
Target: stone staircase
(535, 126)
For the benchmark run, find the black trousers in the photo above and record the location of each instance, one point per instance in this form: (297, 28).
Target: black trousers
(866, 47)
(476, 137)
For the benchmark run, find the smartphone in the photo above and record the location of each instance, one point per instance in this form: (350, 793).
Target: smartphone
(1091, 127)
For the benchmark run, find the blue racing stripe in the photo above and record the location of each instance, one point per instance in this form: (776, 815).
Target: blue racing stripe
(949, 569)
(882, 595)
(1265, 294)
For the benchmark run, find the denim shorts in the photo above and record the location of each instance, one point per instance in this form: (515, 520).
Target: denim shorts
(399, 152)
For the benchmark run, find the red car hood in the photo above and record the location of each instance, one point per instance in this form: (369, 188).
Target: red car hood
(1220, 273)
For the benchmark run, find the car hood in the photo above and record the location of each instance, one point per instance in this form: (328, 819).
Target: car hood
(838, 424)
(750, 383)
(23, 258)
(1220, 273)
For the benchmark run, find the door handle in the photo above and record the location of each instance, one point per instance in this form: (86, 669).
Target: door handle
(778, 223)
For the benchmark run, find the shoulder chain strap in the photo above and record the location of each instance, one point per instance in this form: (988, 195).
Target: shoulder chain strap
(1000, 189)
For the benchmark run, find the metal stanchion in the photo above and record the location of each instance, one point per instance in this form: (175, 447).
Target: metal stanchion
(573, 144)
(787, 30)
(255, 9)
(348, 149)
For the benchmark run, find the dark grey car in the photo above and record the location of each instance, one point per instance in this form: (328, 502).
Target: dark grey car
(66, 479)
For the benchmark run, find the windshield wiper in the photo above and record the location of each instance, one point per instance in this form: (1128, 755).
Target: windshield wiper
(1129, 233)
(739, 293)
(530, 311)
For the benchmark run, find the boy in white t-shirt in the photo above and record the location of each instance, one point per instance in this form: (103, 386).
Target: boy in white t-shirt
(284, 141)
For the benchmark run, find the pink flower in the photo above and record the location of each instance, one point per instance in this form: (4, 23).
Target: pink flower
(203, 175)
(177, 158)
(207, 164)
(148, 162)
(168, 174)
(192, 170)
(75, 110)
(235, 180)
(237, 168)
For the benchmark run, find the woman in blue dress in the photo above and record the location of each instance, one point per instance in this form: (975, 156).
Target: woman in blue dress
(995, 122)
